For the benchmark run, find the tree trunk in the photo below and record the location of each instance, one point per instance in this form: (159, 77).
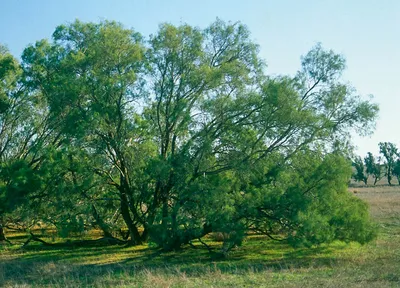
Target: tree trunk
(176, 242)
(99, 222)
(164, 223)
(152, 212)
(133, 231)
(123, 188)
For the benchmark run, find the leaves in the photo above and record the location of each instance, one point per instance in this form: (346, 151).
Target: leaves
(183, 134)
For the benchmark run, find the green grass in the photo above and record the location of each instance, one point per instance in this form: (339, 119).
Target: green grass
(258, 263)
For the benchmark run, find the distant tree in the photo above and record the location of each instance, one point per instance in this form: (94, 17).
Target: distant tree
(396, 170)
(360, 174)
(389, 152)
(373, 167)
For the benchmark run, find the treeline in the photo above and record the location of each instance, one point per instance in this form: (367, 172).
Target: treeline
(386, 165)
(174, 136)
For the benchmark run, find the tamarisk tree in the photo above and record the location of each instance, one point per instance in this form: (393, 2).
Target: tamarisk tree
(183, 134)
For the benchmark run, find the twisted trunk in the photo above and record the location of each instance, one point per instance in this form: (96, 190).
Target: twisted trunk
(134, 234)
(101, 224)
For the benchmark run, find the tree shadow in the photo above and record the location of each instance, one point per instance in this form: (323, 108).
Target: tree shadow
(43, 264)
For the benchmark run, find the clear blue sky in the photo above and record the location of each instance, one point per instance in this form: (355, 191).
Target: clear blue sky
(366, 32)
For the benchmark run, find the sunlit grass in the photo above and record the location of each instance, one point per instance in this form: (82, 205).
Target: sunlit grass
(260, 262)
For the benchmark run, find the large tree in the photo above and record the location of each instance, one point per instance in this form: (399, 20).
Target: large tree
(27, 142)
(211, 133)
(89, 78)
(14, 133)
(184, 134)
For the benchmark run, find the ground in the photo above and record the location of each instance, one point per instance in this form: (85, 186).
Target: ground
(258, 263)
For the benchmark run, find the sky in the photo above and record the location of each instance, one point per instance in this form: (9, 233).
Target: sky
(364, 31)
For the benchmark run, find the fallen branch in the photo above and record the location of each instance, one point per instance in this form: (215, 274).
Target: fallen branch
(105, 240)
(33, 237)
(205, 244)
(6, 240)
(191, 245)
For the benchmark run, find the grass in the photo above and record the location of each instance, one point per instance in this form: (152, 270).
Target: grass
(258, 263)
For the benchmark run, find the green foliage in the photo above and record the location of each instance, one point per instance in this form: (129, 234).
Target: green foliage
(258, 262)
(360, 175)
(18, 179)
(373, 167)
(396, 170)
(9, 73)
(389, 152)
(184, 134)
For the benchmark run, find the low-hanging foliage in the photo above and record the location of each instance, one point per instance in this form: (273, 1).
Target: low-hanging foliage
(179, 135)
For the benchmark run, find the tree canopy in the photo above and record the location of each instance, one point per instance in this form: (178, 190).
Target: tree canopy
(178, 135)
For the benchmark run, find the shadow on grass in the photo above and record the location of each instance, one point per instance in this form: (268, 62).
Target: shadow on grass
(42, 265)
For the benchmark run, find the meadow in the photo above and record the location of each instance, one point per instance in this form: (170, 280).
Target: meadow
(259, 262)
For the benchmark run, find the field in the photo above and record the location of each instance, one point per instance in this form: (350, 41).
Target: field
(258, 263)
